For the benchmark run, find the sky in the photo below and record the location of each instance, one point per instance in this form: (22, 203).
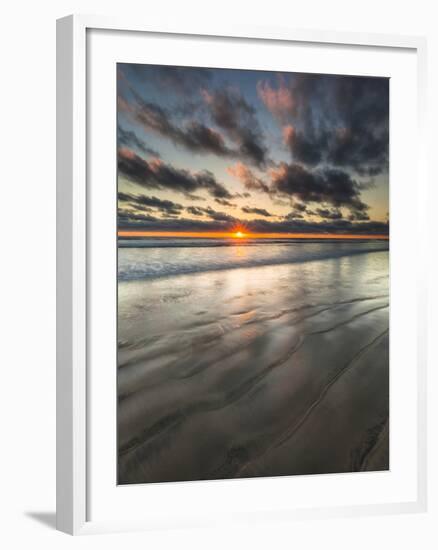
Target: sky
(209, 151)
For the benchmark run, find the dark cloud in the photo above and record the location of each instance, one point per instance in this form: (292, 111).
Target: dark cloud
(330, 214)
(195, 210)
(156, 174)
(341, 121)
(224, 202)
(139, 201)
(128, 218)
(305, 148)
(136, 169)
(298, 210)
(127, 138)
(258, 211)
(231, 112)
(125, 197)
(300, 207)
(294, 215)
(358, 216)
(211, 213)
(328, 185)
(198, 137)
(142, 208)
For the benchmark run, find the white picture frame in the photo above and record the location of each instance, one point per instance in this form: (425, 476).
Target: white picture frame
(73, 222)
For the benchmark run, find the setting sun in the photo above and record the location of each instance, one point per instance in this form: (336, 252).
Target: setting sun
(239, 235)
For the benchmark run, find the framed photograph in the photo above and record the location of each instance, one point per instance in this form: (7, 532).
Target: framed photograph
(241, 320)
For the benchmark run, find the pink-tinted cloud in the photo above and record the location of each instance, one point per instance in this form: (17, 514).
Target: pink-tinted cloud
(245, 175)
(279, 101)
(126, 153)
(123, 105)
(288, 135)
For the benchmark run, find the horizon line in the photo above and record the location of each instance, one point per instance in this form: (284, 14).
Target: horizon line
(244, 235)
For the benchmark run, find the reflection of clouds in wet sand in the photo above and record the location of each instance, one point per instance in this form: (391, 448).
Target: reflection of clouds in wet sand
(255, 371)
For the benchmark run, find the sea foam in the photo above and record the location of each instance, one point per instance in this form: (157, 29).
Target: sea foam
(152, 258)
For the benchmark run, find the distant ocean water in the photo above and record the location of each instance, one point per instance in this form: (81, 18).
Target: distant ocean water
(150, 258)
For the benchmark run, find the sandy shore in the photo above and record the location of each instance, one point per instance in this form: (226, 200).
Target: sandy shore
(274, 370)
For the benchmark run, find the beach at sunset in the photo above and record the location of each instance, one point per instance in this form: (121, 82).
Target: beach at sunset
(253, 273)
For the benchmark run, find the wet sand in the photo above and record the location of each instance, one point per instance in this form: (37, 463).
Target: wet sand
(261, 371)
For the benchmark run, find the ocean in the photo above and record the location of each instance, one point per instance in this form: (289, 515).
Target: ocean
(149, 258)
